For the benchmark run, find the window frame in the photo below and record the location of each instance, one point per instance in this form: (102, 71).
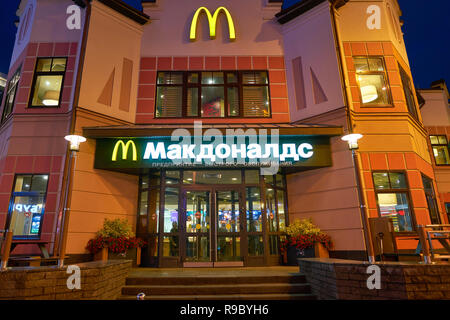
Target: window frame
(8, 91)
(431, 194)
(239, 84)
(384, 73)
(403, 190)
(408, 88)
(27, 193)
(47, 73)
(439, 145)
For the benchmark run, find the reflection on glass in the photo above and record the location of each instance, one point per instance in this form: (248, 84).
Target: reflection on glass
(171, 246)
(273, 245)
(171, 210)
(155, 178)
(280, 180)
(197, 211)
(197, 248)
(233, 102)
(255, 245)
(27, 214)
(228, 248)
(252, 176)
(192, 102)
(144, 203)
(227, 211)
(152, 245)
(395, 206)
(271, 210)
(169, 101)
(153, 211)
(281, 213)
(213, 101)
(172, 177)
(254, 216)
(212, 177)
(381, 180)
(441, 155)
(256, 101)
(47, 90)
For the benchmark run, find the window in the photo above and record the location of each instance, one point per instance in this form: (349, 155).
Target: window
(409, 93)
(11, 95)
(27, 206)
(431, 200)
(393, 200)
(372, 80)
(439, 144)
(48, 81)
(212, 94)
(447, 209)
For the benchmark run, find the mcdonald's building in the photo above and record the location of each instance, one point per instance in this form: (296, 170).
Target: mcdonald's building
(211, 126)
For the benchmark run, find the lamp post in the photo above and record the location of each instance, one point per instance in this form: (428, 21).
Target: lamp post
(74, 147)
(352, 140)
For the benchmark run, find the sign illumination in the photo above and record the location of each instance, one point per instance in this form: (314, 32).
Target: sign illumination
(212, 20)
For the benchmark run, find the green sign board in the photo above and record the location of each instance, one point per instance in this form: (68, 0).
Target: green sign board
(287, 151)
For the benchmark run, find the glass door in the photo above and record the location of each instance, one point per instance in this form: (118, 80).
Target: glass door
(198, 226)
(228, 225)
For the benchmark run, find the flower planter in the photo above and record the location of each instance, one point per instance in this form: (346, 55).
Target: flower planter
(131, 254)
(102, 255)
(293, 253)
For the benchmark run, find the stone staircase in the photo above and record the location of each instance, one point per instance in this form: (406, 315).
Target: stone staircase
(198, 285)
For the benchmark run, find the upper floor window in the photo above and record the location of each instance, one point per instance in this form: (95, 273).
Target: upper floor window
(11, 95)
(372, 81)
(393, 200)
(27, 206)
(48, 82)
(431, 200)
(409, 93)
(212, 94)
(439, 144)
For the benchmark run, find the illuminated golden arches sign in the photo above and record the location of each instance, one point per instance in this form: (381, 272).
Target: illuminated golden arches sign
(212, 20)
(125, 148)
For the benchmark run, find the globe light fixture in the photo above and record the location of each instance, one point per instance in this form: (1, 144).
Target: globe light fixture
(352, 140)
(75, 141)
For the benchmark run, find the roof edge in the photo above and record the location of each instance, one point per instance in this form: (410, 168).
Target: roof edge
(127, 10)
(286, 15)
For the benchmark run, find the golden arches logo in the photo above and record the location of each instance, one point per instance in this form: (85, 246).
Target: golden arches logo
(212, 20)
(125, 148)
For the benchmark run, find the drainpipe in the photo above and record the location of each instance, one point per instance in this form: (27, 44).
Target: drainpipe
(63, 223)
(363, 207)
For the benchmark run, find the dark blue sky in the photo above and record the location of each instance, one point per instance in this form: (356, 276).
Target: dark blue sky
(426, 29)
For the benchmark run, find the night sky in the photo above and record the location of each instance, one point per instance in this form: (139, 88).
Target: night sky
(426, 32)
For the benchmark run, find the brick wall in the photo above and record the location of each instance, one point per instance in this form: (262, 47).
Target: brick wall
(332, 279)
(99, 281)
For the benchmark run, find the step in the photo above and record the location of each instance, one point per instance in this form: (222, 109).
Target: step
(215, 279)
(286, 296)
(261, 288)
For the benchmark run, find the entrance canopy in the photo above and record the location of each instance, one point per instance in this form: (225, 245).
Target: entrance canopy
(135, 149)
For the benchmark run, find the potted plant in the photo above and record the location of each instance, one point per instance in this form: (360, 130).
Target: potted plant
(304, 240)
(114, 241)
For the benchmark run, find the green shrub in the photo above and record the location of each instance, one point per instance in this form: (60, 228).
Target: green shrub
(302, 227)
(116, 228)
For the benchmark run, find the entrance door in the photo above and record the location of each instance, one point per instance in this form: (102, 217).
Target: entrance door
(213, 224)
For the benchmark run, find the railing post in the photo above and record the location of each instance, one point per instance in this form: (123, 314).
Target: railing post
(6, 250)
(425, 246)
